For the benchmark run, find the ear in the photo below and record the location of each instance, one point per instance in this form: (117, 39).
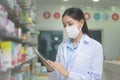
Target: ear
(82, 22)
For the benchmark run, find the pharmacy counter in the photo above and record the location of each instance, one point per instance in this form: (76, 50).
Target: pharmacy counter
(111, 70)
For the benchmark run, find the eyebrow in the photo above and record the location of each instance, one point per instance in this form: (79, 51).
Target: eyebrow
(67, 22)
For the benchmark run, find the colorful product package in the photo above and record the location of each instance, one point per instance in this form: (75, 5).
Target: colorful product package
(6, 56)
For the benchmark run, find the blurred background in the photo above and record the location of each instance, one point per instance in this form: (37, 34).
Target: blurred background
(103, 18)
(28, 24)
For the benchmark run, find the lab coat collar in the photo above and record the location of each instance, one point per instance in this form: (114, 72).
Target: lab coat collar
(85, 40)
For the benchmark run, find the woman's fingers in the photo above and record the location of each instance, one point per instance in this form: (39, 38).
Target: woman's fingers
(51, 62)
(58, 67)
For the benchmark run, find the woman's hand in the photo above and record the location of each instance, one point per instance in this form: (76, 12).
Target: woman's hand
(49, 68)
(59, 67)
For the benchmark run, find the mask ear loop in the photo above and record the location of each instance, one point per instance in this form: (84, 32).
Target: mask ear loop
(82, 22)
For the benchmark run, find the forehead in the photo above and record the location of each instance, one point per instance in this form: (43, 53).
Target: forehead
(67, 18)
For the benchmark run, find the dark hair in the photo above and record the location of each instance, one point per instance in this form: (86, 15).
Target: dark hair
(77, 14)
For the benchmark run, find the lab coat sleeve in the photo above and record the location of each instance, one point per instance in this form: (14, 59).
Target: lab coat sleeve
(95, 70)
(53, 75)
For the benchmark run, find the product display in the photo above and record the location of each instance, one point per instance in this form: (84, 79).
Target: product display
(16, 56)
(6, 55)
(22, 73)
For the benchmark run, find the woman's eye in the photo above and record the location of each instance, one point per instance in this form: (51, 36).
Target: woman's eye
(64, 25)
(70, 24)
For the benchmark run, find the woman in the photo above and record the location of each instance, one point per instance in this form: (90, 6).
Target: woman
(80, 57)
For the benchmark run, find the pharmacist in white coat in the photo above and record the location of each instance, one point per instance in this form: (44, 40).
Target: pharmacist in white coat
(80, 57)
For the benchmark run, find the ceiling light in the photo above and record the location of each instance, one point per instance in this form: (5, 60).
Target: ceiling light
(96, 0)
(65, 0)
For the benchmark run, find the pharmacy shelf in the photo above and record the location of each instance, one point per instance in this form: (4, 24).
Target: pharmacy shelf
(18, 24)
(5, 36)
(21, 25)
(29, 43)
(10, 38)
(6, 75)
(17, 65)
(22, 63)
(24, 42)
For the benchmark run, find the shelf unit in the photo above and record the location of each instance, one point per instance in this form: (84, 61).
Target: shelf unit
(6, 75)
(22, 63)
(25, 26)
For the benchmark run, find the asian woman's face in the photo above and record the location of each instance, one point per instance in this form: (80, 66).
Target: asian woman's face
(68, 21)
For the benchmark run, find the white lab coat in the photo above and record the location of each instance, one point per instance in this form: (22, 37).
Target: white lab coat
(86, 63)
